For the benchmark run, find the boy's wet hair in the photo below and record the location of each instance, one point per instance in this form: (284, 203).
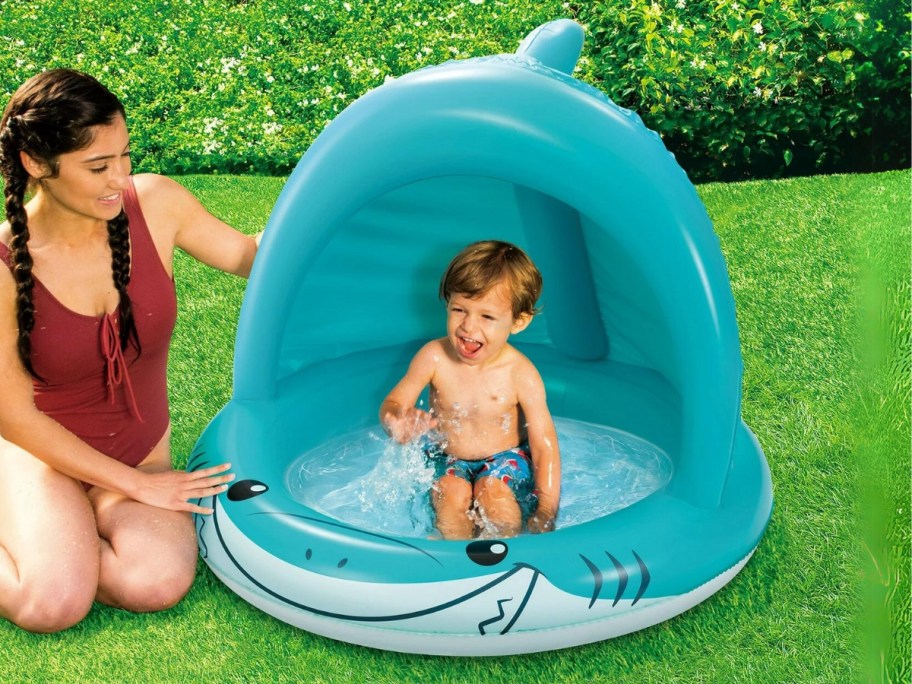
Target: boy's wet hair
(485, 264)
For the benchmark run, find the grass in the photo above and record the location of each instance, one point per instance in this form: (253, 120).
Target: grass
(819, 270)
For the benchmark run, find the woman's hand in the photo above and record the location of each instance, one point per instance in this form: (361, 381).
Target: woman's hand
(175, 490)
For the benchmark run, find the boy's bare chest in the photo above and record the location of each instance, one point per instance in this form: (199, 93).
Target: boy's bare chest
(474, 397)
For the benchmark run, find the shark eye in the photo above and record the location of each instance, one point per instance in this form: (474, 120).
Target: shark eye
(246, 489)
(487, 552)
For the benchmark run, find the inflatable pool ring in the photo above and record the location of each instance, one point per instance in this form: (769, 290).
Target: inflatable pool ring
(637, 332)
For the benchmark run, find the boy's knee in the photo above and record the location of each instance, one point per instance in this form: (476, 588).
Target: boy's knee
(499, 510)
(454, 491)
(493, 490)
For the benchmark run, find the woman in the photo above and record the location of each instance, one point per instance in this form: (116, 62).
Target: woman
(90, 506)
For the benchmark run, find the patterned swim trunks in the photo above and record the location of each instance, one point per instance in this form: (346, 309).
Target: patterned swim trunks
(513, 467)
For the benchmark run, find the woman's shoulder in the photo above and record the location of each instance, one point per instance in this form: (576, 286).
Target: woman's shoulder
(152, 187)
(165, 203)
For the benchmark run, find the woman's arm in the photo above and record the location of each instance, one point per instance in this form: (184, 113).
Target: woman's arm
(178, 219)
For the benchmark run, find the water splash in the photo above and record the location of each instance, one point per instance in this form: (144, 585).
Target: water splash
(369, 481)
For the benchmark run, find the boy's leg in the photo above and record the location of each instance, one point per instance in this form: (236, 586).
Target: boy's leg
(498, 507)
(451, 497)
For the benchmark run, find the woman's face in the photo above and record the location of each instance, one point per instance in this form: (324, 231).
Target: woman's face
(90, 182)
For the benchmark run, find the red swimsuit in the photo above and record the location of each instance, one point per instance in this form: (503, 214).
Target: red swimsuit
(116, 402)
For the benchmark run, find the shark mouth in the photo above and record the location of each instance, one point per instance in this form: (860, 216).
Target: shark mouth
(527, 584)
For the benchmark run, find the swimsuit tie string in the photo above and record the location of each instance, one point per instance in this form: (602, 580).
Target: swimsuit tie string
(115, 365)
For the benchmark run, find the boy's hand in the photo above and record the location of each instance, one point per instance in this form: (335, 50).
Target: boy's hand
(409, 424)
(540, 522)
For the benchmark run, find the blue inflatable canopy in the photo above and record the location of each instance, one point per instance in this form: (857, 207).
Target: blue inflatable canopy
(504, 148)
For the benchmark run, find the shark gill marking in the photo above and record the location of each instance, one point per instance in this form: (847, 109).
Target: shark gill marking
(622, 578)
(596, 579)
(644, 573)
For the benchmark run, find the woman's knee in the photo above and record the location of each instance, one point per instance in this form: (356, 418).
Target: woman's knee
(144, 588)
(53, 606)
(149, 557)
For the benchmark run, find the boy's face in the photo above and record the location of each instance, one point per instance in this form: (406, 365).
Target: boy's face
(478, 327)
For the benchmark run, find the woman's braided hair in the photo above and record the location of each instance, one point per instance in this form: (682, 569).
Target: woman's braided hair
(52, 114)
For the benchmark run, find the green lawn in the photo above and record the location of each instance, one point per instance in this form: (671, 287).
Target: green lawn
(819, 270)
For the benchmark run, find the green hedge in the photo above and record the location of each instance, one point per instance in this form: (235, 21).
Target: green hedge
(219, 86)
(760, 88)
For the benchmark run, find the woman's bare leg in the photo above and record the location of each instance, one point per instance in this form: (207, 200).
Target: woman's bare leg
(49, 561)
(148, 554)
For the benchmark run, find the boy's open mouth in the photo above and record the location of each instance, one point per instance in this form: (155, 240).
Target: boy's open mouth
(469, 346)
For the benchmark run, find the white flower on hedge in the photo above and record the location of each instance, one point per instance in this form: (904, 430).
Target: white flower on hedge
(757, 92)
(758, 28)
(228, 63)
(681, 4)
(675, 27)
(271, 128)
(348, 8)
(476, 2)
(859, 17)
(211, 123)
(212, 146)
(762, 46)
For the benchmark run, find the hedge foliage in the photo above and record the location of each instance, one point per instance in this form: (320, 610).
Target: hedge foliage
(734, 88)
(758, 86)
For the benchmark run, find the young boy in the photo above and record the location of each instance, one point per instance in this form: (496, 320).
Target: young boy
(498, 451)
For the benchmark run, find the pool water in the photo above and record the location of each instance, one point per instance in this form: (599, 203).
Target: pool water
(366, 480)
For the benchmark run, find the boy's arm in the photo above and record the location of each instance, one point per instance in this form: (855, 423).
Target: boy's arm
(398, 414)
(546, 462)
